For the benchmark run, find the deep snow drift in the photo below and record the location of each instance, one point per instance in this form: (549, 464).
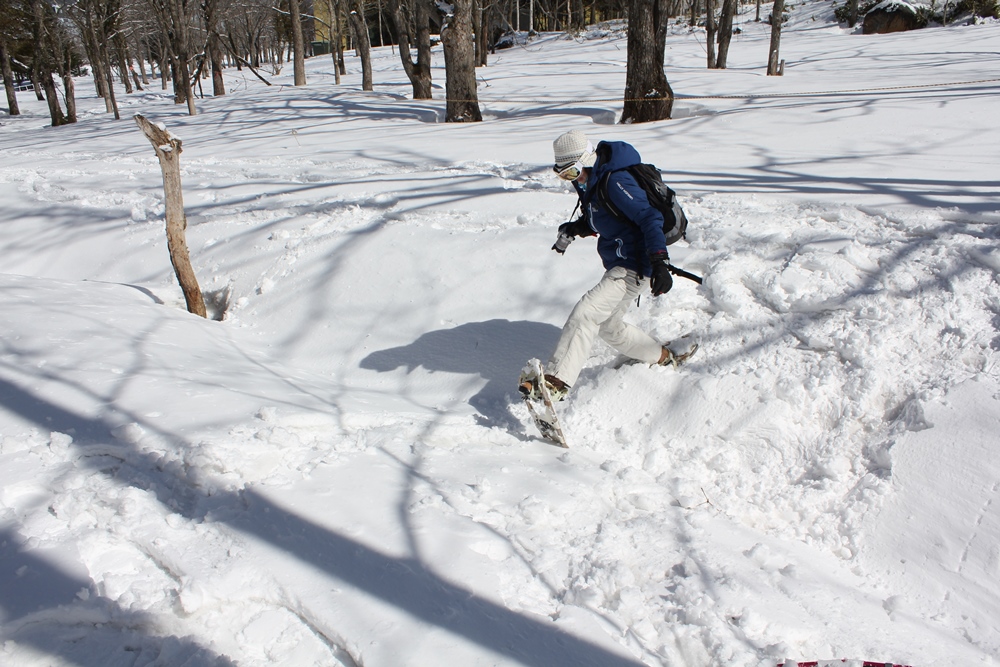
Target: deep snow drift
(340, 473)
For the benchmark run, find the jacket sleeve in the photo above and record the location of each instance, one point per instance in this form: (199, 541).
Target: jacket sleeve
(630, 199)
(583, 224)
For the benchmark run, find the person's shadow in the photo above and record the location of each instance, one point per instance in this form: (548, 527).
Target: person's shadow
(496, 350)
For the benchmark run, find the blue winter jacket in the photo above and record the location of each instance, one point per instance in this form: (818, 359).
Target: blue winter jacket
(620, 242)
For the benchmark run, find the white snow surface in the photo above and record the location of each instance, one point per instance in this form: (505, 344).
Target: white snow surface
(340, 473)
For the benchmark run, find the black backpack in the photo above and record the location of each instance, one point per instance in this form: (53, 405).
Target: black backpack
(660, 197)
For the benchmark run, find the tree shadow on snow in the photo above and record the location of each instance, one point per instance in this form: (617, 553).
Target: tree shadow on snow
(40, 606)
(403, 582)
(495, 350)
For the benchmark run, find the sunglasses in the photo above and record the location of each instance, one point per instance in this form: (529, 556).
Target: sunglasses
(570, 173)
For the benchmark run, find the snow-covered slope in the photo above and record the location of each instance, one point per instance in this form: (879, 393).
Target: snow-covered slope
(340, 473)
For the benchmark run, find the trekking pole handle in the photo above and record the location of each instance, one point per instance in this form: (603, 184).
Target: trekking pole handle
(684, 274)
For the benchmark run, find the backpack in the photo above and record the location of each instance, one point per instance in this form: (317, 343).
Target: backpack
(660, 197)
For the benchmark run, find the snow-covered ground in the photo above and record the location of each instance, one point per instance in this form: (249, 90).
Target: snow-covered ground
(340, 473)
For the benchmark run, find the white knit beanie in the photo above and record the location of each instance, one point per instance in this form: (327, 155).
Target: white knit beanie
(573, 146)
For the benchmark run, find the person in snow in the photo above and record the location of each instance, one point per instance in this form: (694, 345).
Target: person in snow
(634, 253)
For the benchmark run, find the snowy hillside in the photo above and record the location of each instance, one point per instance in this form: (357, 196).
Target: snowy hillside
(340, 473)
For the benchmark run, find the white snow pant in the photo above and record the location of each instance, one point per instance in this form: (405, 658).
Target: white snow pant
(600, 312)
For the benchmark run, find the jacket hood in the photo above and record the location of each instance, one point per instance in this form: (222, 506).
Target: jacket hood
(614, 155)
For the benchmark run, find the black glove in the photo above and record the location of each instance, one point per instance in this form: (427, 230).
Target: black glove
(660, 281)
(569, 231)
(565, 237)
(578, 227)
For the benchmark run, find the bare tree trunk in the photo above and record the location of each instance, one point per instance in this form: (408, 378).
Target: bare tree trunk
(135, 76)
(725, 32)
(215, 53)
(92, 43)
(711, 32)
(360, 26)
(773, 65)
(36, 84)
(213, 46)
(578, 17)
(65, 61)
(341, 65)
(164, 69)
(69, 89)
(852, 12)
(460, 65)
(109, 79)
(334, 38)
(141, 55)
(121, 51)
(44, 49)
(5, 65)
(188, 85)
(52, 97)
(176, 22)
(380, 42)
(298, 44)
(479, 20)
(419, 72)
(648, 95)
(8, 80)
(168, 152)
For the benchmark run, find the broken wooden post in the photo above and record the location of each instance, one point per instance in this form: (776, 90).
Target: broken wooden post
(168, 151)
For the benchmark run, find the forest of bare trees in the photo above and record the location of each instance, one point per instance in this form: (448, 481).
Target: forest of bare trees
(185, 45)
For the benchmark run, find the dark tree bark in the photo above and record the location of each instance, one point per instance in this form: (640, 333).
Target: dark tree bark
(648, 95)
(52, 98)
(39, 23)
(341, 64)
(725, 32)
(175, 48)
(98, 21)
(64, 52)
(711, 32)
(298, 44)
(773, 64)
(121, 54)
(141, 55)
(8, 80)
(69, 90)
(111, 86)
(10, 27)
(419, 72)
(135, 76)
(181, 47)
(88, 22)
(42, 65)
(460, 65)
(164, 68)
(852, 13)
(360, 27)
(213, 44)
(36, 85)
(479, 20)
(337, 39)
